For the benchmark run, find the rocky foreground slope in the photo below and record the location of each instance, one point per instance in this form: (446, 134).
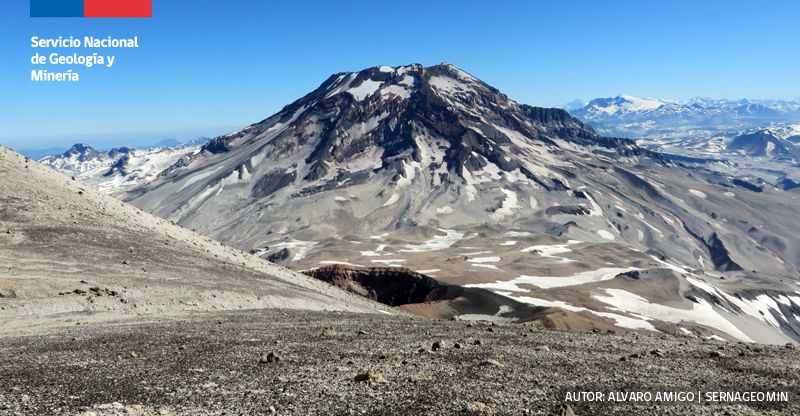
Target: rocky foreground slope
(311, 363)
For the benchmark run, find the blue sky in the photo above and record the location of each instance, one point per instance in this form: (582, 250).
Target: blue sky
(209, 66)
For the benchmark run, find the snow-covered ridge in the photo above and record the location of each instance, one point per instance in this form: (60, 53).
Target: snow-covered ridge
(121, 169)
(626, 104)
(644, 118)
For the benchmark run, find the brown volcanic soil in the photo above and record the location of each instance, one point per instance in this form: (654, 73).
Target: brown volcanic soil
(212, 364)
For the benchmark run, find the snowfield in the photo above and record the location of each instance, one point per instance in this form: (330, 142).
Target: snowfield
(701, 312)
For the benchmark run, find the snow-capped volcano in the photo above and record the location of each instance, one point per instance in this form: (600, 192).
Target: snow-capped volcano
(431, 168)
(381, 148)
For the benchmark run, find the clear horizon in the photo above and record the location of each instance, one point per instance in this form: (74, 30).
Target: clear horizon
(224, 66)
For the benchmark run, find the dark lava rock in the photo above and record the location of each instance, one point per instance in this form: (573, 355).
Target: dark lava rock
(269, 358)
(279, 256)
(632, 275)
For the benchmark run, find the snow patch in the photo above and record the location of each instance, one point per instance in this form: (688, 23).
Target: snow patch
(365, 89)
(497, 317)
(493, 259)
(619, 320)
(548, 282)
(390, 262)
(392, 199)
(549, 250)
(438, 242)
(344, 263)
(697, 193)
(607, 235)
(702, 312)
(507, 207)
(444, 211)
(298, 247)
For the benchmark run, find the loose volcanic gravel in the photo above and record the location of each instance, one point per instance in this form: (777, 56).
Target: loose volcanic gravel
(288, 362)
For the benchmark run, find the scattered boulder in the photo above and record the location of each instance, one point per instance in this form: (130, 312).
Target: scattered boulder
(269, 358)
(438, 345)
(371, 375)
(563, 410)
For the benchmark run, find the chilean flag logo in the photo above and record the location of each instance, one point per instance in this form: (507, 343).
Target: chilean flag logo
(91, 8)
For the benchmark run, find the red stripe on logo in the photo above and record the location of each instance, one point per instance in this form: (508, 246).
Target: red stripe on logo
(118, 8)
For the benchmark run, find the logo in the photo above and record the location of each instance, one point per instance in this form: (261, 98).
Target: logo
(91, 8)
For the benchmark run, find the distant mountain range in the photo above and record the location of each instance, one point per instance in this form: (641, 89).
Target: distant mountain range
(653, 118)
(120, 169)
(754, 139)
